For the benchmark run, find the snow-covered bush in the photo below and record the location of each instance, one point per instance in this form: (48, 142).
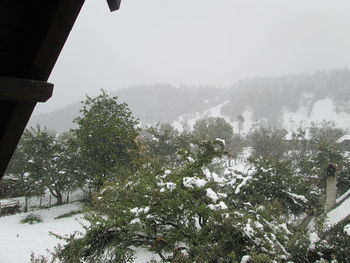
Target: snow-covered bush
(182, 214)
(334, 243)
(31, 219)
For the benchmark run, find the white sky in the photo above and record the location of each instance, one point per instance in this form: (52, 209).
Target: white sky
(197, 42)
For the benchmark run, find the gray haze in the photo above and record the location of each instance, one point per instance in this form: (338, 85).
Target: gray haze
(197, 42)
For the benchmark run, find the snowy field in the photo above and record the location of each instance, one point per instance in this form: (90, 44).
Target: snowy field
(18, 240)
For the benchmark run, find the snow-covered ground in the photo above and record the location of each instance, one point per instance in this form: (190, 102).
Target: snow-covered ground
(307, 113)
(189, 119)
(18, 240)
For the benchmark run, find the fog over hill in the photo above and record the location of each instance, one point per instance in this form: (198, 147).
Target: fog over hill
(287, 101)
(149, 103)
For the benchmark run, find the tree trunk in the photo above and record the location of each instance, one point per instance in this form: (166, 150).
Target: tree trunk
(26, 204)
(57, 194)
(59, 199)
(90, 195)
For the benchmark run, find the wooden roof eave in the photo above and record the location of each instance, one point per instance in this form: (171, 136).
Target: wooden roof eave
(23, 76)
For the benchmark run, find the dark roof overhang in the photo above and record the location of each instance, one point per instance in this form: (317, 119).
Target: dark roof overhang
(32, 35)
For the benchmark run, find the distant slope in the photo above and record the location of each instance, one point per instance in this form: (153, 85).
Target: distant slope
(150, 104)
(319, 111)
(59, 120)
(269, 97)
(164, 103)
(286, 101)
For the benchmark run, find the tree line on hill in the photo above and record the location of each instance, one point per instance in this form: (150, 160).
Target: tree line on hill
(178, 194)
(267, 97)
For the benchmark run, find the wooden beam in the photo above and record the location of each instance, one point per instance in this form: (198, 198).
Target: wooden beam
(113, 4)
(60, 25)
(15, 89)
(35, 33)
(18, 114)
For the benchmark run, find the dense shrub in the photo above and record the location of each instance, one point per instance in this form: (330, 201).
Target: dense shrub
(31, 219)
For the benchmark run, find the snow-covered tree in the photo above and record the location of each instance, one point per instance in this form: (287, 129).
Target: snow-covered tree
(183, 214)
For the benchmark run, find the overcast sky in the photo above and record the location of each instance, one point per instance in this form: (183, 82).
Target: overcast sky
(197, 42)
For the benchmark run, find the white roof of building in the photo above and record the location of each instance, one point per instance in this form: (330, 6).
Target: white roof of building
(340, 212)
(346, 137)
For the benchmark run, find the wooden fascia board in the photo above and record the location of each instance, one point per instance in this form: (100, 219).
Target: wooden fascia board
(18, 117)
(60, 26)
(15, 89)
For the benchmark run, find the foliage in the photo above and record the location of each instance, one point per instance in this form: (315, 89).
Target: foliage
(325, 132)
(31, 219)
(334, 243)
(295, 171)
(19, 166)
(181, 214)
(106, 139)
(45, 160)
(260, 258)
(38, 259)
(163, 143)
(69, 214)
(285, 186)
(10, 187)
(217, 128)
(212, 128)
(50, 162)
(268, 142)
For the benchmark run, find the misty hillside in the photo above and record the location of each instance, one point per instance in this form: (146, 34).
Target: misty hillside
(292, 99)
(150, 104)
(268, 97)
